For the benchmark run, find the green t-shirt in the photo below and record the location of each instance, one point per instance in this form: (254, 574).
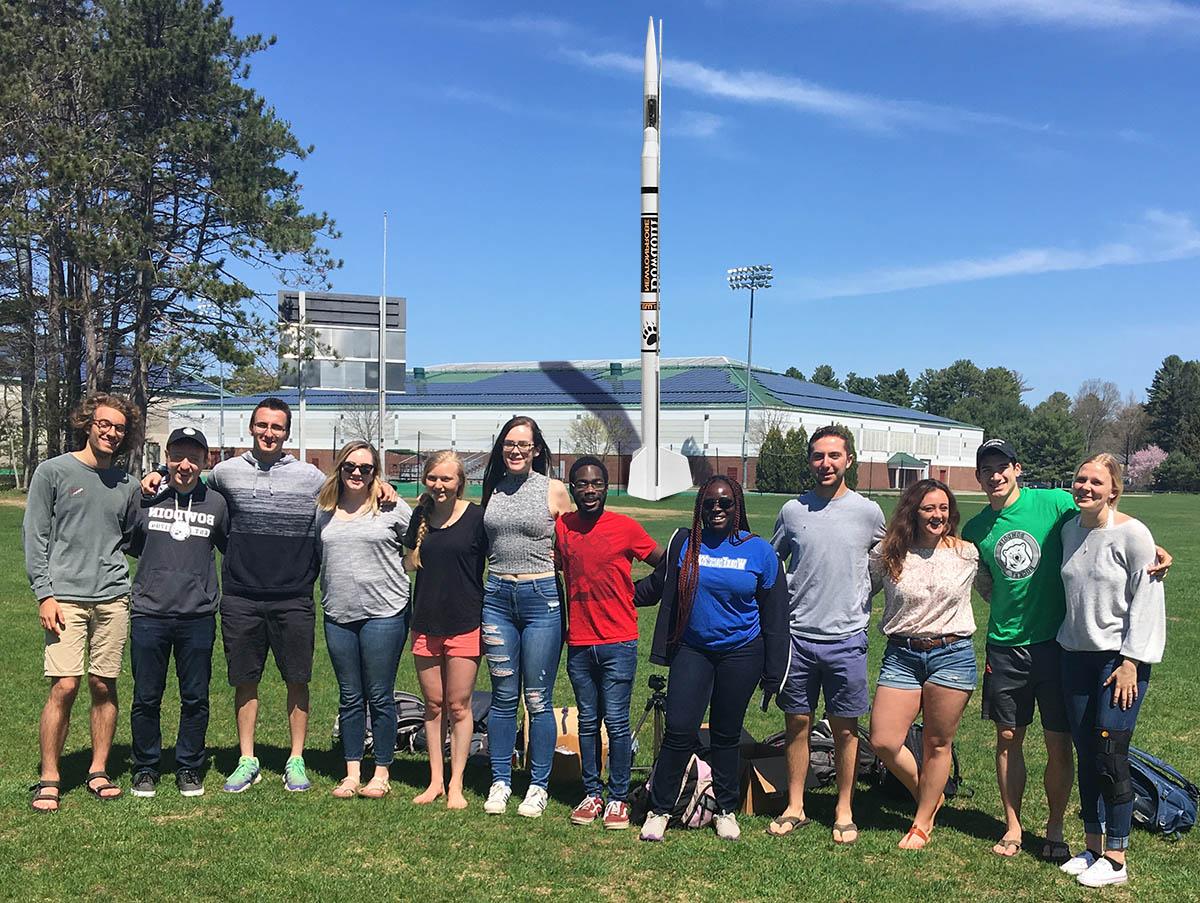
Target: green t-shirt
(1021, 546)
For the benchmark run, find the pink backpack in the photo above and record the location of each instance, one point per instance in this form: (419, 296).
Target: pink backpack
(696, 805)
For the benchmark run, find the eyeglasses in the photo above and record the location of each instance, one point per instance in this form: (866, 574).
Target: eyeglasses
(522, 447)
(584, 484)
(349, 467)
(104, 426)
(270, 428)
(725, 503)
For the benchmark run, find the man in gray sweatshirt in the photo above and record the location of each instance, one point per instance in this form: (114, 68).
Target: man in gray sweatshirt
(77, 514)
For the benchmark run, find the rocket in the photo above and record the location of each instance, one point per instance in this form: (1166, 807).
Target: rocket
(654, 472)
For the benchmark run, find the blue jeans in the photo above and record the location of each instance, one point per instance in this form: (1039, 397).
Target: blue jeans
(522, 639)
(1090, 709)
(365, 656)
(152, 640)
(602, 677)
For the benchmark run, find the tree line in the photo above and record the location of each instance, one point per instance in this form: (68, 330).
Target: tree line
(1158, 440)
(141, 184)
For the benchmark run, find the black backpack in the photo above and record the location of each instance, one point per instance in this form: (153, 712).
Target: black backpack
(410, 724)
(821, 767)
(872, 769)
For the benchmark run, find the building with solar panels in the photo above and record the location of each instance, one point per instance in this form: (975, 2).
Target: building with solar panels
(462, 406)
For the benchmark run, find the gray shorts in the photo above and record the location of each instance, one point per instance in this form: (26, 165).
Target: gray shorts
(838, 668)
(1016, 677)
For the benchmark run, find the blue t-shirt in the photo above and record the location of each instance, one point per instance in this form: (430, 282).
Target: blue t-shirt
(725, 608)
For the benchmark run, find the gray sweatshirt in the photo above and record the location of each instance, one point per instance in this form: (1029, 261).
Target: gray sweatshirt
(361, 571)
(76, 518)
(824, 544)
(1112, 603)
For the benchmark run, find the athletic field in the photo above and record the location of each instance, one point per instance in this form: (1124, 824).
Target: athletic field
(269, 844)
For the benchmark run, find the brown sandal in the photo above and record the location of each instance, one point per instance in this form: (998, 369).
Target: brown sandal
(39, 796)
(347, 788)
(98, 790)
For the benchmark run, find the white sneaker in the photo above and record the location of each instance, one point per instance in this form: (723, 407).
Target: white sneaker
(654, 827)
(497, 801)
(1102, 872)
(727, 826)
(534, 803)
(1079, 863)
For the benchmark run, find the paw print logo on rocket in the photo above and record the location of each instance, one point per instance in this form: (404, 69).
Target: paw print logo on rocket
(649, 337)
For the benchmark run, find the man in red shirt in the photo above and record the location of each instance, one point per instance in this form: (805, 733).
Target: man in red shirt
(596, 549)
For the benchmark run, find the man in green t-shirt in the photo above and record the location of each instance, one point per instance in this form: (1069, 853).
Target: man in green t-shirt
(1020, 548)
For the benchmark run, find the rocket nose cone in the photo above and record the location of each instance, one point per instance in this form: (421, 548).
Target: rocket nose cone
(651, 65)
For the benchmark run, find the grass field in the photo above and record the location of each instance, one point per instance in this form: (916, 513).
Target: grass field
(269, 844)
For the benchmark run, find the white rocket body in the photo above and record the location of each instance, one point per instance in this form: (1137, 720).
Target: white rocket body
(654, 472)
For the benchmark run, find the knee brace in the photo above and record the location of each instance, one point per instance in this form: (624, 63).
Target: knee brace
(1112, 765)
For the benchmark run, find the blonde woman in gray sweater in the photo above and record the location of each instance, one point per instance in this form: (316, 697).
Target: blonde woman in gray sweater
(1115, 628)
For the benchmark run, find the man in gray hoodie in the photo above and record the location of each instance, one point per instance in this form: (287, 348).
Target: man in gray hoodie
(175, 598)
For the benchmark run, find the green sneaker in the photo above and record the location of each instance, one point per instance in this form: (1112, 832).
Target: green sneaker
(246, 773)
(295, 778)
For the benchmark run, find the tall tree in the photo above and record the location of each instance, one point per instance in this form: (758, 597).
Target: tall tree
(1173, 398)
(1127, 432)
(861, 385)
(824, 376)
(1050, 443)
(145, 179)
(1094, 410)
(793, 373)
(895, 388)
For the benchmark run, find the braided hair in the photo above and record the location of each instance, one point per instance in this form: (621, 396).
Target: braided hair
(425, 502)
(689, 571)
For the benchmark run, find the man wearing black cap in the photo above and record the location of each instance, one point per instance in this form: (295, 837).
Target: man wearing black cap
(175, 598)
(1020, 548)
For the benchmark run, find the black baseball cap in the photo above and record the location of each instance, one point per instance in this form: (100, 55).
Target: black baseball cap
(187, 434)
(996, 447)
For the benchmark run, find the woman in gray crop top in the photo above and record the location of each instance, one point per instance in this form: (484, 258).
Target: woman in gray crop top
(522, 608)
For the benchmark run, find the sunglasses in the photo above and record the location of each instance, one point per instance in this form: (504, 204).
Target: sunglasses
(723, 502)
(349, 467)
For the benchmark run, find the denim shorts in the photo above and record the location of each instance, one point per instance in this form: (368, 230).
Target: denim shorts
(950, 666)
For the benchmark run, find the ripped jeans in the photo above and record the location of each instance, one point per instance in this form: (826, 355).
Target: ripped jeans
(522, 639)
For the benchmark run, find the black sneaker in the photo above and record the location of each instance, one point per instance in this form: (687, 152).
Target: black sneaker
(145, 783)
(189, 783)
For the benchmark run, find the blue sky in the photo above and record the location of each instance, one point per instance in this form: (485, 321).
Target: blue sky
(1013, 181)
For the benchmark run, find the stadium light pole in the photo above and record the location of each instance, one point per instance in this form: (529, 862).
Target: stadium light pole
(752, 278)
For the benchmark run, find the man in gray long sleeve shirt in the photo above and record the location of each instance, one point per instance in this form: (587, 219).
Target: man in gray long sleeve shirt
(76, 516)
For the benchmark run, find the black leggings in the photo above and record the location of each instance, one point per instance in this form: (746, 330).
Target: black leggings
(698, 678)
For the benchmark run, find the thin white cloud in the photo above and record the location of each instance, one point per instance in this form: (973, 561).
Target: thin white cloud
(1160, 236)
(697, 124)
(860, 110)
(1096, 14)
(545, 26)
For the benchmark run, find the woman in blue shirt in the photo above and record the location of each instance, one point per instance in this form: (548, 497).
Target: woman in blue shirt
(722, 629)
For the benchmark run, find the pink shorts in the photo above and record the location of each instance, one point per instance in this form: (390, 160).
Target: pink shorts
(461, 645)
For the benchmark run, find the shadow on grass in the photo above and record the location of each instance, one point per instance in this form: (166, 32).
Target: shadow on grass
(74, 766)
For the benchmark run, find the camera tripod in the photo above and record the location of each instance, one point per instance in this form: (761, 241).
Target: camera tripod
(657, 703)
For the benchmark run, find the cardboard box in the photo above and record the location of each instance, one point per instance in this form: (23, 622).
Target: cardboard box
(567, 767)
(764, 785)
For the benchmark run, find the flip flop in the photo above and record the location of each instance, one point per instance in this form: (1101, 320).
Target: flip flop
(39, 796)
(843, 829)
(923, 836)
(1007, 844)
(792, 823)
(98, 790)
(1056, 852)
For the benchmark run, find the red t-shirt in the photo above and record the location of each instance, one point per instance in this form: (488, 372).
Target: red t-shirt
(596, 561)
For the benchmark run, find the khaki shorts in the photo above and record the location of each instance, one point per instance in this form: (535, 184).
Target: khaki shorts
(99, 627)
